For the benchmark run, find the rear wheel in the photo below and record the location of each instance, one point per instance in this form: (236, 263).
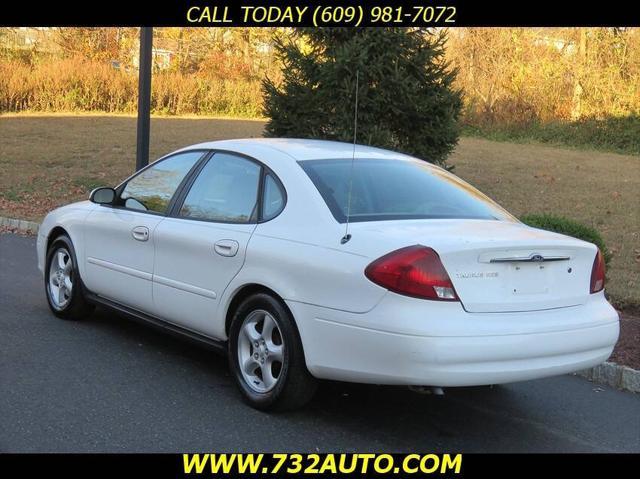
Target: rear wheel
(62, 281)
(266, 356)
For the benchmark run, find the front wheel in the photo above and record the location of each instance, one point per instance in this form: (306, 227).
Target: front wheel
(266, 356)
(62, 282)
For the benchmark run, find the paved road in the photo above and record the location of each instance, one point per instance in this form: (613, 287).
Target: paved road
(109, 384)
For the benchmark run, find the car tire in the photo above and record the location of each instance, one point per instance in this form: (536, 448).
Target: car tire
(266, 356)
(62, 282)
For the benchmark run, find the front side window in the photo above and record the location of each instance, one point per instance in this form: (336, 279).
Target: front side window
(226, 190)
(387, 189)
(154, 187)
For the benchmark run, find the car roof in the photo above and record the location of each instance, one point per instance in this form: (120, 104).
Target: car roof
(299, 149)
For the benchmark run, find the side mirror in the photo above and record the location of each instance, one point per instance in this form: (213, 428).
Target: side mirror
(103, 196)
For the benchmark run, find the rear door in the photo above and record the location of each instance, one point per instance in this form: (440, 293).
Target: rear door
(120, 239)
(201, 247)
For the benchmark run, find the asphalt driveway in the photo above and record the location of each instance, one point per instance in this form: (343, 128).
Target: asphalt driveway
(110, 385)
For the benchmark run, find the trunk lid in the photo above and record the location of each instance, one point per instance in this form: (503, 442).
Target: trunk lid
(495, 266)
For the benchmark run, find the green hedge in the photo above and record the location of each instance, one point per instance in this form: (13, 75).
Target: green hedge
(620, 135)
(566, 226)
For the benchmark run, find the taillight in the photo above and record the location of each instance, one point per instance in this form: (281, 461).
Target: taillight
(597, 274)
(413, 271)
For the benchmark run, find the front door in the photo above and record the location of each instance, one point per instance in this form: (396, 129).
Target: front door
(120, 239)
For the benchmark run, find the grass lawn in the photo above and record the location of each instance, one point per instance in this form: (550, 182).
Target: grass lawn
(49, 160)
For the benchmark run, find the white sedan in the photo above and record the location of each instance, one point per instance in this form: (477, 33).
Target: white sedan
(304, 261)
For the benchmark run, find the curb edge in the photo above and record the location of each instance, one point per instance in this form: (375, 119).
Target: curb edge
(23, 226)
(614, 375)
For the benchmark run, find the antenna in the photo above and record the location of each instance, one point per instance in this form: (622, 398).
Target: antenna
(347, 236)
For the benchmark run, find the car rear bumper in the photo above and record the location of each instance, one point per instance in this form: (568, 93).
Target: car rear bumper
(339, 346)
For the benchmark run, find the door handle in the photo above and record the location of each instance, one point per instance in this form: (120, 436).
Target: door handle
(140, 233)
(226, 247)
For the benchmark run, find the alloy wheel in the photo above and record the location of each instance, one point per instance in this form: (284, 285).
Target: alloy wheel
(260, 351)
(60, 278)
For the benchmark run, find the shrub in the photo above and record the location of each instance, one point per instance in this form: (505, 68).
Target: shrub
(77, 84)
(406, 100)
(569, 227)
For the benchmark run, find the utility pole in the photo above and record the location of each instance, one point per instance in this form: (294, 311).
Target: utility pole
(144, 97)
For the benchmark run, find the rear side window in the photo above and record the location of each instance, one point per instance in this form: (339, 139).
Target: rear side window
(152, 189)
(397, 189)
(226, 191)
(273, 198)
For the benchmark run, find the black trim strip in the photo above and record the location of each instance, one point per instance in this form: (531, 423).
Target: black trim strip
(188, 180)
(256, 214)
(174, 330)
(185, 186)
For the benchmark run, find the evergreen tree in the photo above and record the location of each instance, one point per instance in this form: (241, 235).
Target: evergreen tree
(406, 98)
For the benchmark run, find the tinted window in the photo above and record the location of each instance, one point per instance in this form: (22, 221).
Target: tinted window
(225, 190)
(153, 188)
(397, 189)
(273, 198)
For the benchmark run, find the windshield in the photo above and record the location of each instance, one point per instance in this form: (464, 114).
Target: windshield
(397, 189)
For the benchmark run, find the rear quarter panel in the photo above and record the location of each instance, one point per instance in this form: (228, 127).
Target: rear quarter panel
(310, 273)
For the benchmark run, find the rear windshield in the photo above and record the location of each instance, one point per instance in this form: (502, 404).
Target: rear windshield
(397, 189)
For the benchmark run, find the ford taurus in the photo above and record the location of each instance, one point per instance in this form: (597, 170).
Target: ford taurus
(309, 260)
